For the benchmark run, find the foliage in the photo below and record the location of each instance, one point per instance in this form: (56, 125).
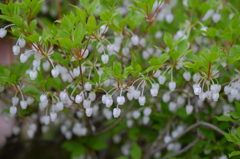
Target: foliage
(136, 79)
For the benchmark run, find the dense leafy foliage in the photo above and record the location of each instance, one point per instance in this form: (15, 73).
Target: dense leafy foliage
(126, 79)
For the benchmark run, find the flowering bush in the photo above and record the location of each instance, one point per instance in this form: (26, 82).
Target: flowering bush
(142, 78)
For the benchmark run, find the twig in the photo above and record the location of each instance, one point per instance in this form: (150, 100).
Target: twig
(184, 149)
(201, 123)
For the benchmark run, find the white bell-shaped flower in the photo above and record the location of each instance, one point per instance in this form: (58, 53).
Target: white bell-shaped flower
(53, 116)
(130, 95)
(15, 100)
(166, 97)
(142, 100)
(216, 17)
(16, 49)
(147, 111)
(43, 97)
(55, 72)
(85, 53)
(46, 66)
(161, 79)
(154, 92)
(109, 101)
(197, 89)
(172, 107)
(33, 74)
(63, 95)
(135, 40)
(196, 77)
(202, 96)
(59, 106)
(116, 112)
(227, 90)
(172, 86)
(76, 72)
(189, 109)
(87, 86)
(46, 119)
(3, 32)
(92, 96)
(86, 103)
(120, 100)
(89, 111)
(13, 110)
(105, 58)
(104, 98)
(136, 94)
(215, 96)
(30, 100)
(167, 139)
(78, 98)
(23, 104)
(187, 76)
(21, 42)
(23, 58)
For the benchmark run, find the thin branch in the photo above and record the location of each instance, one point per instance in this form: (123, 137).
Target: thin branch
(184, 149)
(201, 123)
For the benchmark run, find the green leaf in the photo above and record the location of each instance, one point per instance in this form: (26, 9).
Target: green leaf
(31, 90)
(234, 153)
(76, 148)
(96, 143)
(91, 24)
(237, 105)
(168, 40)
(117, 68)
(122, 157)
(37, 8)
(136, 152)
(183, 46)
(225, 118)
